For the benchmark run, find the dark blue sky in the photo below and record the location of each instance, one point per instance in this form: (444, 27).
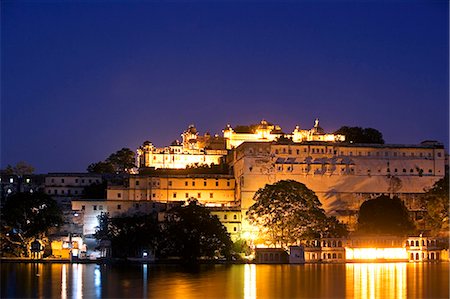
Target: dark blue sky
(81, 80)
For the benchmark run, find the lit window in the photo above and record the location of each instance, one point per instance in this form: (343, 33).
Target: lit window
(27, 180)
(11, 180)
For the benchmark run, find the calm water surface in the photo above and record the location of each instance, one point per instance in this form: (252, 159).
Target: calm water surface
(378, 280)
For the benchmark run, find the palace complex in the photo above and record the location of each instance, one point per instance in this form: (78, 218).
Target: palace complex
(343, 175)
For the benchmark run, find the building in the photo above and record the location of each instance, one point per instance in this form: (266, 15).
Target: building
(194, 150)
(342, 175)
(266, 132)
(11, 184)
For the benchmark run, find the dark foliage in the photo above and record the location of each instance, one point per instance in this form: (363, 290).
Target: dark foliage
(361, 135)
(384, 215)
(191, 232)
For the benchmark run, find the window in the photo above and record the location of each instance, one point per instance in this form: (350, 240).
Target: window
(53, 180)
(404, 169)
(368, 154)
(174, 195)
(228, 183)
(430, 171)
(136, 206)
(82, 181)
(100, 207)
(199, 195)
(217, 183)
(76, 180)
(386, 154)
(289, 151)
(186, 183)
(298, 152)
(90, 181)
(137, 183)
(234, 228)
(187, 195)
(276, 151)
(170, 183)
(62, 180)
(55, 191)
(193, 183)
(119, 207)
(94, 208)
(211, 195)
(83, 207)
(49, 191)
(225, 217)
(204, 183)
(119, 195)
(234, 217)
(62, 191)
(439, 155)
(154, 195)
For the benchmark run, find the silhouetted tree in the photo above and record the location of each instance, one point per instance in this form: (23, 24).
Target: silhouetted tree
(20, 169)
(192, 232)
(95, 191)
(27, 216)
(288, 211)
(361, 135)
(436, 202)
(384, 215)
(121, 161)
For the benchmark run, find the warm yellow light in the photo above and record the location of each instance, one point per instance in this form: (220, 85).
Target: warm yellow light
(376, 253)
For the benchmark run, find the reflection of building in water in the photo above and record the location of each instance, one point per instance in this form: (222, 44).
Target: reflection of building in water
(249, 281)
(376, 280)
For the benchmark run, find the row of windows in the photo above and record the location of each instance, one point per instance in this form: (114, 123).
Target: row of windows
(11, 180)
(62, 192)
(211, 195)
(342, 153)
(76, 181)
(186, 183)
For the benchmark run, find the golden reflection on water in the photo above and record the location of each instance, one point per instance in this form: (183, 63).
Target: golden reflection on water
(250, 281)
(376, 280)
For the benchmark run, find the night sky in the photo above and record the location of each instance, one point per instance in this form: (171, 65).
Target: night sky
(80, 80)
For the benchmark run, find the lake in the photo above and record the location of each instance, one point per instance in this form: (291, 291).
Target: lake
(370, 280)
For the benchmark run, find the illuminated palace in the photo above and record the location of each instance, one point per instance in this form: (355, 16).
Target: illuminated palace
(343, 175)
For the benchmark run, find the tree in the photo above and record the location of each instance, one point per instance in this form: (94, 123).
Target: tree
(28, 216)
(436, 202)
(95, 191)
(361, 135)
(130, 235)
(101, 167)
(384, 215)
(288, 211)
(20, 169)
(122, 161)
(192, 232)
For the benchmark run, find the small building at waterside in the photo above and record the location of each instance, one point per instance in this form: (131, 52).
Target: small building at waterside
(360, 249)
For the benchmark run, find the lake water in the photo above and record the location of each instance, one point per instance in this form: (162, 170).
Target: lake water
(377, 280)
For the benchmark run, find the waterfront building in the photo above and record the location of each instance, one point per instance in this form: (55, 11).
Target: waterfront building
(69, 185)
(11, 184)
(342, 175)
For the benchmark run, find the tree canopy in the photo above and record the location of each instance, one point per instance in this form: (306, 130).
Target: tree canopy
(130, 235)
(192, 232)
(361, 135)
(26, 216)
(288, 211)
(20, 169)
(122, 161)
(436, 202)
(384, 215)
